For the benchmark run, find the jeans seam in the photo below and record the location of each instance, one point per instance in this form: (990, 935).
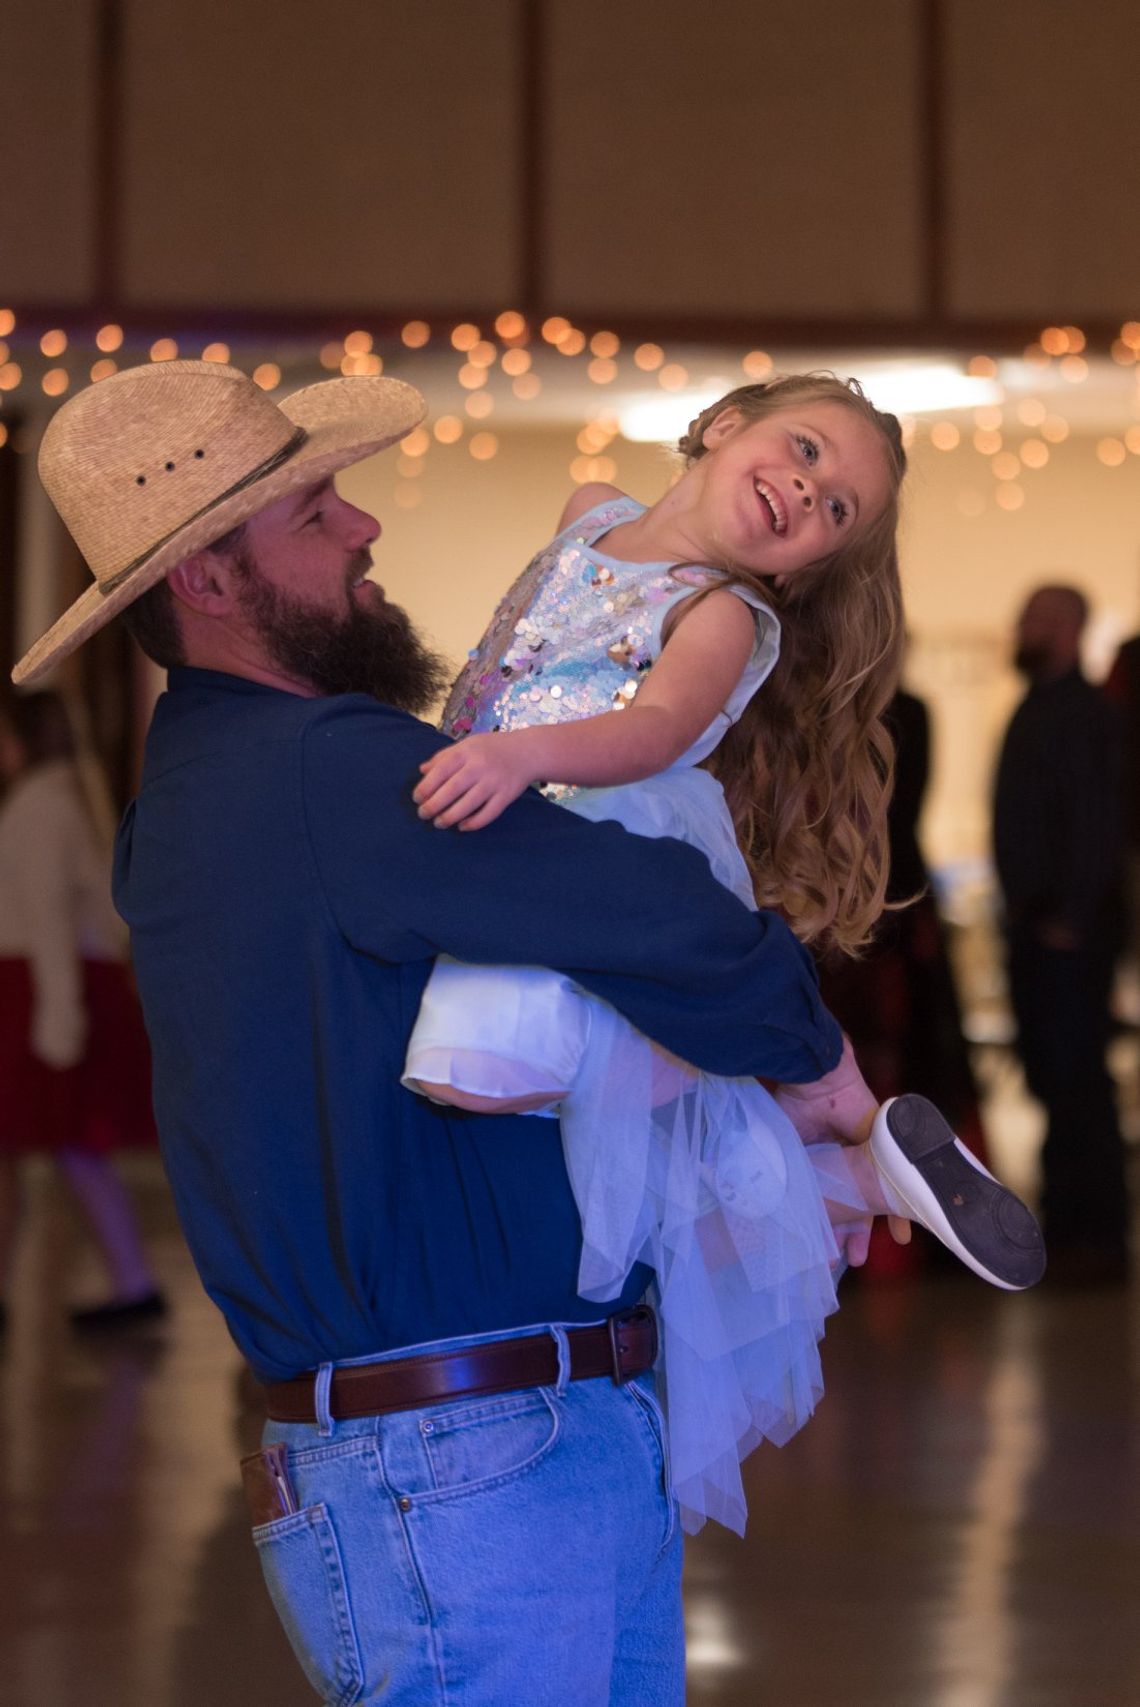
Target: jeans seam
(653, 1419)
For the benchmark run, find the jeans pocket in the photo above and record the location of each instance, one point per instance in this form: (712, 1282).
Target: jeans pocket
(645, 1402)
(305, 1576)
(478, 1445)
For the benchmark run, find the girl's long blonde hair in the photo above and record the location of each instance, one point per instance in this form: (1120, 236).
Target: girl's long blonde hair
(808, 769)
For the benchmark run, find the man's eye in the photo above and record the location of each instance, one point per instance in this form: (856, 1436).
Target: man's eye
(809, 448)
(315, 517)
(838, 510)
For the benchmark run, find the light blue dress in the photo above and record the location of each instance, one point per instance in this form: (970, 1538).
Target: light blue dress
(704, 1178)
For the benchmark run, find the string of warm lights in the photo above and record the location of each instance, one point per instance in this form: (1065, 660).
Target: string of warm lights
(1014, 437)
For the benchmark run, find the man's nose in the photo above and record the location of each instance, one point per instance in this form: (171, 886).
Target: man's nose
(804, 491)
(361, 529)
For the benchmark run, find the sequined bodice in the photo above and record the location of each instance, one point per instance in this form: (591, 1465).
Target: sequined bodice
(577, 632)
(571, 638)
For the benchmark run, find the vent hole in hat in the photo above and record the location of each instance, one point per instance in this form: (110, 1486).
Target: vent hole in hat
(170, 468)
(199, 454)
(140, 480)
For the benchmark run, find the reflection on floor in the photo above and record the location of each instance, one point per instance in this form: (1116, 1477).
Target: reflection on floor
(958, 1526)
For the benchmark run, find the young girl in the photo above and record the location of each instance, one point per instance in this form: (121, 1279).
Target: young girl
(771, 561)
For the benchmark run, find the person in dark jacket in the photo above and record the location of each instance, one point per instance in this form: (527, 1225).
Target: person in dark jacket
(1058, 841)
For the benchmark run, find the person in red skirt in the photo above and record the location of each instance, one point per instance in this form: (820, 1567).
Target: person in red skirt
(74, 1063)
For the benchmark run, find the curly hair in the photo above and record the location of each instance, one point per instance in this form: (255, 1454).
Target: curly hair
(808, 769)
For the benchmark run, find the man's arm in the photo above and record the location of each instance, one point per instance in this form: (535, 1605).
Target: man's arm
(640, 922)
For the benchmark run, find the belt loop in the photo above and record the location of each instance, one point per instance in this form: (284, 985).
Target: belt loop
(559, 1336)
(322, 1389)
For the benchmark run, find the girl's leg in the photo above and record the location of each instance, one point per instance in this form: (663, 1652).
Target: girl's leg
(105, 1202)
(494, 1040)
(455, 1098)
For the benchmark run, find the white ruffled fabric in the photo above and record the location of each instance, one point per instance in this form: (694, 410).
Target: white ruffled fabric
(702, 1178)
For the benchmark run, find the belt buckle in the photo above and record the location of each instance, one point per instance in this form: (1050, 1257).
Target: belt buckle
(618, 1349)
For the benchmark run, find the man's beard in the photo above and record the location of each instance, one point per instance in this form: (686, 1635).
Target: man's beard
(376, 652)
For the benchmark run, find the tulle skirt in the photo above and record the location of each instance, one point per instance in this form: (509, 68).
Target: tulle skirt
(703, 1178)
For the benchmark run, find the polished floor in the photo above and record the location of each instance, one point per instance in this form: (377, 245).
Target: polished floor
(959, 1526)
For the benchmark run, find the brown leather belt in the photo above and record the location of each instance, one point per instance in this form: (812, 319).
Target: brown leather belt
(623, 1346)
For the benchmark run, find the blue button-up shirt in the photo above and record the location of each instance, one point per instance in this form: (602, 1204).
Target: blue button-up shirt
(286, 904)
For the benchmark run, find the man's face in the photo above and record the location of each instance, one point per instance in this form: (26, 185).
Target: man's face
(302, 588)
(1036, 638)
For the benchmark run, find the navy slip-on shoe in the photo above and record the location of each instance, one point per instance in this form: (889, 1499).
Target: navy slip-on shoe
(948, 1191)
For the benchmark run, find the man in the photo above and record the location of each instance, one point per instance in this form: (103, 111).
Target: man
(1057, 840)
(485, 1520)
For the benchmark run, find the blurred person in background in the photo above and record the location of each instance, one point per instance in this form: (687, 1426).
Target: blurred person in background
(74, 1065)
(898, 1002)
(1122, 689)
(1058, 843)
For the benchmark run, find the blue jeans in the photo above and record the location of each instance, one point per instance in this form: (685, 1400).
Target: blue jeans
(514, 1551)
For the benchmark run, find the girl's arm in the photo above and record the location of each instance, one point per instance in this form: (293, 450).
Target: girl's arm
(701, 662)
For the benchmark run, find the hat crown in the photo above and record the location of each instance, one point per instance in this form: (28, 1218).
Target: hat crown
(132, 459)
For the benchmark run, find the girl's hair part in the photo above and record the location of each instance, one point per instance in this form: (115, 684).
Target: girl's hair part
(808, 769)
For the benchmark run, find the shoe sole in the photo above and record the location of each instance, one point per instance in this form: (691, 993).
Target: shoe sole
(950, 1193)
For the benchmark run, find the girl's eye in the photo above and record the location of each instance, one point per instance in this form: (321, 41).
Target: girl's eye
(838, 511)
(809, 448)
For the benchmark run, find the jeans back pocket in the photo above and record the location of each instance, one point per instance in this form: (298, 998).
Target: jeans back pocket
(305, 1576)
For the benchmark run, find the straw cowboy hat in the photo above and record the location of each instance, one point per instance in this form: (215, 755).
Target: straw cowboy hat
(153, 464)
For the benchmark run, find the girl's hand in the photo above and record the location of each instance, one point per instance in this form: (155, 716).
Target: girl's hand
(471, 783)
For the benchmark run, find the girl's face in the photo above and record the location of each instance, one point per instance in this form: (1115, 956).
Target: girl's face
(783, 492)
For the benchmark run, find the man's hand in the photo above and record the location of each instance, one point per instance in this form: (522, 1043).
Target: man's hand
(840, 1106)
(471, 783)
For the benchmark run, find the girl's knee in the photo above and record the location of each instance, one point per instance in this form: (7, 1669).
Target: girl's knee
(451, 1097)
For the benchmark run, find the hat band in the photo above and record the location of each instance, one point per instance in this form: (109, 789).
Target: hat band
(288, 450)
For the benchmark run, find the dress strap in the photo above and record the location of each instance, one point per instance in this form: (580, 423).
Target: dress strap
(593, 523)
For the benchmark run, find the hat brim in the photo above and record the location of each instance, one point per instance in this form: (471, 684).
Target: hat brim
(343, 427)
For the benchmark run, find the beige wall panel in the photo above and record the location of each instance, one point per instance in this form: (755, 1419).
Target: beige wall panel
(46, 134)
(1044, 167)
(741, 158)
(290, 155)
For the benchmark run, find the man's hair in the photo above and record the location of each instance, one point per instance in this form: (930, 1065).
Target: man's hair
(152, 619)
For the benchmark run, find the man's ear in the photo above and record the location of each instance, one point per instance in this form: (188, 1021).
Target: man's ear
(205, 582)
(721, 427)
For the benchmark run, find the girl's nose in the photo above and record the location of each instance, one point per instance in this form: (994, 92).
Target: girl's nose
(803, 491)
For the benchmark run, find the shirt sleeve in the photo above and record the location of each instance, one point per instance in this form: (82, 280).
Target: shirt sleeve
(639, 922)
